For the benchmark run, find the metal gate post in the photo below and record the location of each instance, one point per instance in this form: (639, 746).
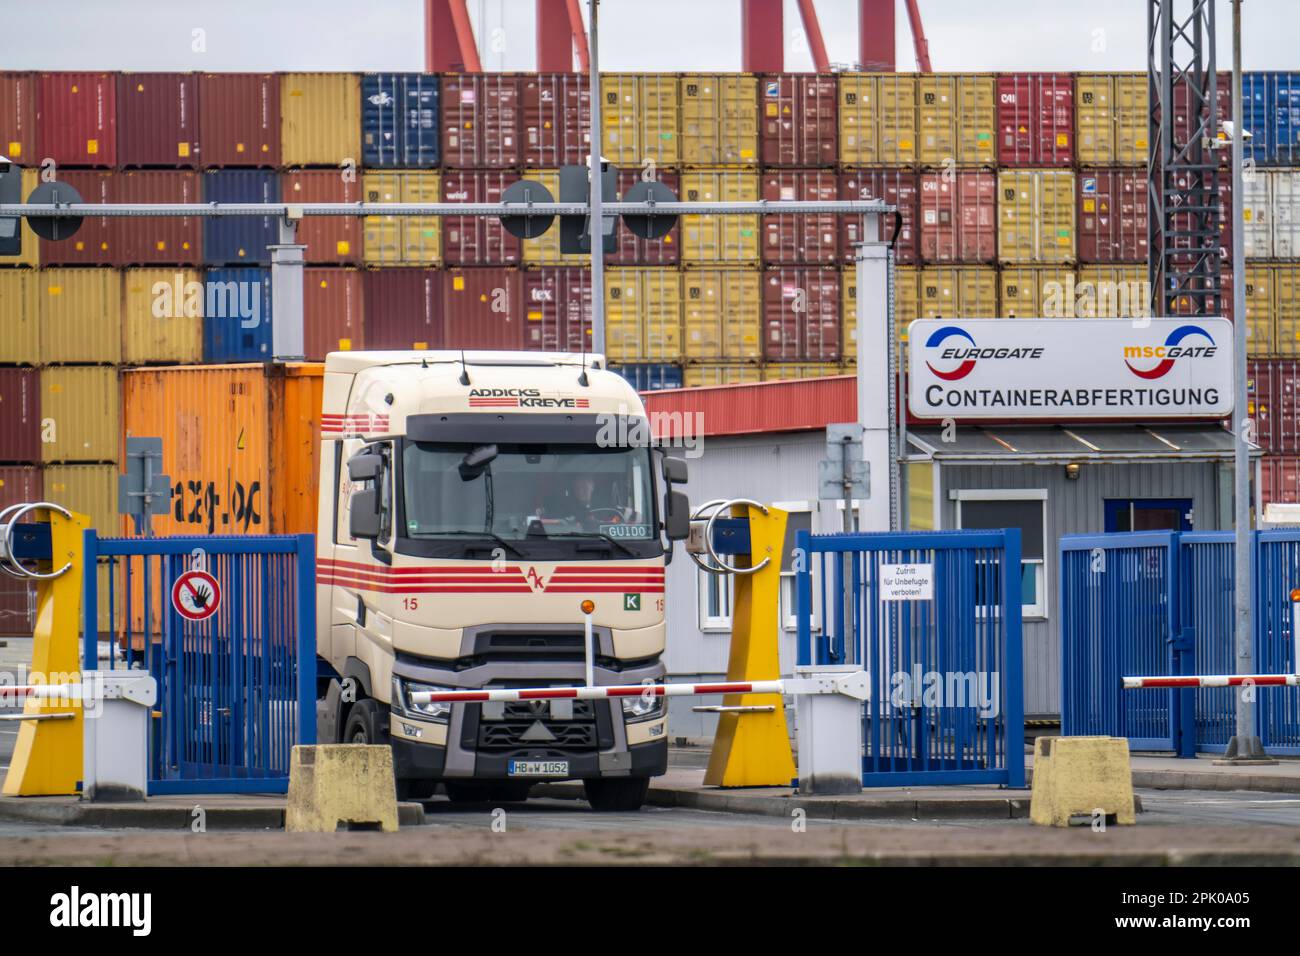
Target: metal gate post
(306, 639)
(1013, 687)
(90, 600)
(1182, 713)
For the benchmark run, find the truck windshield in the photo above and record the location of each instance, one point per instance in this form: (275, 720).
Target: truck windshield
(528, 493)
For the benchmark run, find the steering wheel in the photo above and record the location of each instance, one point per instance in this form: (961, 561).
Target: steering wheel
(617, 514)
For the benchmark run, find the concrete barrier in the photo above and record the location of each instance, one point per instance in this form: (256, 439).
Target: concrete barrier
(1081, 776)
(341, 786)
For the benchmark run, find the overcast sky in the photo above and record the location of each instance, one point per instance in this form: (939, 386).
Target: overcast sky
(672, 35)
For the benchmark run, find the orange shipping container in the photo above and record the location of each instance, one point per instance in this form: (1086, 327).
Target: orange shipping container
(240, 442)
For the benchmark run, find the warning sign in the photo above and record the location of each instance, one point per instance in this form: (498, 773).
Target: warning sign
(196, 595)
(907, 582)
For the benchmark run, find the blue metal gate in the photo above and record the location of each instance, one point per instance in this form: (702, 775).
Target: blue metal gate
(1154, 603)
(947, 698)
(235, 691)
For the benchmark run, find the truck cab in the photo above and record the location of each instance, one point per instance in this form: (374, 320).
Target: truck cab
(470, 504)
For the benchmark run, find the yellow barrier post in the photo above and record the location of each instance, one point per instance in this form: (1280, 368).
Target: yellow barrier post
(47, 757)
(752, 747)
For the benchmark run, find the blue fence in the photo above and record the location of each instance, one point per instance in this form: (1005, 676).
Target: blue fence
(235, 691)
(1155, 603)
(947, 696)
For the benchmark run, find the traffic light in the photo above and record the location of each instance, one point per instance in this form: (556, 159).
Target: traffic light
(11, 192)
(575, 231)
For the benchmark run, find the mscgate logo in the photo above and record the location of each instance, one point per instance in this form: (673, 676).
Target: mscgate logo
(1170, 352)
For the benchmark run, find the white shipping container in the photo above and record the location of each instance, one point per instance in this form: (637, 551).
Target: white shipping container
(1271, 208)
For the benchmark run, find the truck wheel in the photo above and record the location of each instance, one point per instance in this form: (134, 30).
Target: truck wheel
(363, 725)
(612, 794)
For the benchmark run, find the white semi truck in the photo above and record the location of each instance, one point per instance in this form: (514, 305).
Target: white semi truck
(470, 503)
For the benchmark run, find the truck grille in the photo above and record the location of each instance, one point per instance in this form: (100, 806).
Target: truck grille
(522, 729)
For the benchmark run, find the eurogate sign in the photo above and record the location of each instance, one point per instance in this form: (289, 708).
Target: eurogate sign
(1070, 368)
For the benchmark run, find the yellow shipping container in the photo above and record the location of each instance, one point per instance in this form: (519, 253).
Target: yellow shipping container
(20, 341)
(956, 119)
(907, 308)
(878, 119)
(641, 119)
(80, 315)
(643, 315)
(320, 119)
(719, 119)
(162, 316)
(710, 373)
(1285, 280)
(90, 490)
(958, 292)
(402, 240)
(1110, 118)
(723, 314)
(714, 240)
(1035, 215)
(31, 254)
(1109, 292)
(80, 414)
(1038, 292)
(546, 250)
(786, 371)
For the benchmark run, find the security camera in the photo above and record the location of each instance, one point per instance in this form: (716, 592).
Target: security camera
(1229, 130)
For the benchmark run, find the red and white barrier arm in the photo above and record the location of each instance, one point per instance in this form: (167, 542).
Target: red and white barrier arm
(854, 684)
(14, 693)
(1215, 680)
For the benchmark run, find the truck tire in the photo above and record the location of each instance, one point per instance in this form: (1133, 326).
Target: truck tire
(614, 794)
(364, 724)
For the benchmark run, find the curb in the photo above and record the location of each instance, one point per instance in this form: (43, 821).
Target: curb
(1204, 780)
(822, 808)
(152, 817)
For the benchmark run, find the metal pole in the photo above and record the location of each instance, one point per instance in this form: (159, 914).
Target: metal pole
(589, 661)
(287, 339)
(597, 227)
(1245, 745)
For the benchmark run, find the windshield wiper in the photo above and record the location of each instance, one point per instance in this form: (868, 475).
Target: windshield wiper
(595, 534)
(477, 534)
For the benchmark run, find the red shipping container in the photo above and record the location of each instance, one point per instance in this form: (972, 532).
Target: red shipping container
(480, 120)
(18, 118)
(799, 240)
(403, 309)
(18, 598)
(958, 215)
(76, 119)
(1273, 392)
(801, 314)
(557, 119)
(1280, 479)
(329, 239)
(1220, 304)
(157, 119)
(633, 251)
(798, 118)
(481, 309)
(477, 240)
(1222, 111)
(95, 242)
(239, 119)
(557, 309)
(20, 415)
(1035, 119)
(332, 311)
(157, 240)
(897, 187)
(1112, 215)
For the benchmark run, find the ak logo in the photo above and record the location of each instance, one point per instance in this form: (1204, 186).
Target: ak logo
(631, 602)
(537, 579)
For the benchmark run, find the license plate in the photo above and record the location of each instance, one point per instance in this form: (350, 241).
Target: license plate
(538, 768)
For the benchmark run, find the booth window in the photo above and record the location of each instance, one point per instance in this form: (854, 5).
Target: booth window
(1027, 511)
(797, 521)
(715, 601)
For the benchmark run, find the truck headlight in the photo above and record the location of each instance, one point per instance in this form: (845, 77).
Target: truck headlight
(435, 710)
(643, 707)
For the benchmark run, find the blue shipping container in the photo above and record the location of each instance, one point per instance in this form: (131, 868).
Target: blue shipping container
(1271, 112)
(651, 378)
(239, 240)
(237, 316)
(399, 120)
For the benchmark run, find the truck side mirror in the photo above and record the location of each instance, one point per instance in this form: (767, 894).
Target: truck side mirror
(365, 466)
(363, 517)
(677, 514)
(674, 470)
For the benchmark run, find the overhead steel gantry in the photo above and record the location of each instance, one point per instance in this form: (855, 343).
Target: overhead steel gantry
(1184, 227)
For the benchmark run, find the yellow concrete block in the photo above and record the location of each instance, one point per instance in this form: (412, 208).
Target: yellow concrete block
(1081, 776)
(333, 785)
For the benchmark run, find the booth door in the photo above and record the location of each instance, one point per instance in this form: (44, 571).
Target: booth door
(1149, 514)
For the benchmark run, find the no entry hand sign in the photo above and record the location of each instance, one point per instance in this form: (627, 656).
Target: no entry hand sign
(196, 595)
